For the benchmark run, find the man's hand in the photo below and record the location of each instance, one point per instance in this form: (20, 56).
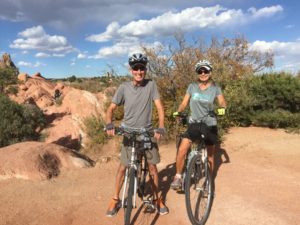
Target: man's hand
(159, 132)
(110, 129)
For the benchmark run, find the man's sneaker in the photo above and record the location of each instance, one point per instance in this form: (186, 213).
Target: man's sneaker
(114, 211)
(177, 183)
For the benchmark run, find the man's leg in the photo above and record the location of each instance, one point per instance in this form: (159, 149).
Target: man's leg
(163, 210)
(119, 182)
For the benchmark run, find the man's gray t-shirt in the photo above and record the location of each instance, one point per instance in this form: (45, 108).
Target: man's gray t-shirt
(202, 102)
(137, 101)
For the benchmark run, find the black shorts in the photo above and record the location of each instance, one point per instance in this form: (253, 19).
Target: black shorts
(211, 138)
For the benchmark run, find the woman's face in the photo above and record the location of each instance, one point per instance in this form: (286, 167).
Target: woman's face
(204, 74)
(138, 73)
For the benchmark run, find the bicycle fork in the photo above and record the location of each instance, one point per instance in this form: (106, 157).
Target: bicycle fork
(131, 165)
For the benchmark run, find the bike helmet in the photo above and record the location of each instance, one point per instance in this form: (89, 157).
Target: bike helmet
(137, 58)
(203, 64)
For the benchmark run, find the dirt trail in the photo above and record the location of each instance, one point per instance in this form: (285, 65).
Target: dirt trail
(258, 182)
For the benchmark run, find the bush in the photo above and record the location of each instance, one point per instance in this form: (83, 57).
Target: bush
(94, 128)
(19, 122)
(277, 119)
(7, 76)
(269, 100)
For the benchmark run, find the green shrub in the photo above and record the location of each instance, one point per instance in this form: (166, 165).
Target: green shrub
(276, 119)
(19, 122)
(7, 76)
(94, 129)
(12, 90)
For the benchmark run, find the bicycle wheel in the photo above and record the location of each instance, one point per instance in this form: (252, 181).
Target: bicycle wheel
(142, 176)
(130, 191)
(198, 191)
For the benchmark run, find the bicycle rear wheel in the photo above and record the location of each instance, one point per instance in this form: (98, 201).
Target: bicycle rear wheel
(198, 191)
(130, 192)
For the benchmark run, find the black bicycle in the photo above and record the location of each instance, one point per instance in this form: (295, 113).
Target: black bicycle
(139, 140)
(197, 179)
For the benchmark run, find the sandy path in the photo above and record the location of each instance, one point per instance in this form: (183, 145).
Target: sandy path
(260, 185)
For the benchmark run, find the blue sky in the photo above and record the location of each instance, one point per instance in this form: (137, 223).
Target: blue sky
(60, 38)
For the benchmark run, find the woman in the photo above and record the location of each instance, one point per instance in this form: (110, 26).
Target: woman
(200, 96)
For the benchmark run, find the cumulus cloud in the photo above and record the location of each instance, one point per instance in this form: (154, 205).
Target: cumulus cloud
(42, 55)
(279, 48)
(81, 56)
(29, 64)
(187, 20)
(286, 54)
(71, 13)
(35, 38)
(125, 47)
(265, 12)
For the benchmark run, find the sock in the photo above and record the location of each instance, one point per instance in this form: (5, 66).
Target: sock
(178, 175)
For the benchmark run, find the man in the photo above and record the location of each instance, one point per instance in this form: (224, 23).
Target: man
(137, 96)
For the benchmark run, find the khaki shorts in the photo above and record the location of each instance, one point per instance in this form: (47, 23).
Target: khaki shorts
(151, 154)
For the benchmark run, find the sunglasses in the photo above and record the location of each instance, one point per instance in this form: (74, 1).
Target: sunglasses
(141, 68)
(203, 71)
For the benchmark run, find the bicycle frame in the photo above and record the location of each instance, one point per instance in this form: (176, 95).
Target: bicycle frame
(197, 148)
(136, 165)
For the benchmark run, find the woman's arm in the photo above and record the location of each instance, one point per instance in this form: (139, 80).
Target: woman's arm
(184, 103)
(221, 101)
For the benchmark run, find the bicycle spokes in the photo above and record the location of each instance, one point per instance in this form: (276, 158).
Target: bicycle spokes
(198, 191)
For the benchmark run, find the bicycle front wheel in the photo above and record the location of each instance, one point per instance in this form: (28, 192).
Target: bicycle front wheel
(198, 191)
(130, 192)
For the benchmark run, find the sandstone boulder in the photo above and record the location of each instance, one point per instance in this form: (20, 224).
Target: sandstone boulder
(39, 161)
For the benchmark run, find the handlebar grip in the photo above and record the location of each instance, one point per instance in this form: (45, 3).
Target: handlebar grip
(221, 111)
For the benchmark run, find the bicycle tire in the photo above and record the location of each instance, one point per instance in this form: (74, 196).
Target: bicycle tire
(129, 205)
(198, 188)
(142, 178)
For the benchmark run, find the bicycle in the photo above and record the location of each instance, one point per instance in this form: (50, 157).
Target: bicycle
(197, 182)
(137, 170)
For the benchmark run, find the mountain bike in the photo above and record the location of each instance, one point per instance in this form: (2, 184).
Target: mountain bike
(137, 170)
(197, 179)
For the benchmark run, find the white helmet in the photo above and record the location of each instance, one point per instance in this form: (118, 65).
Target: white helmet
(137, 58)
(203, 64)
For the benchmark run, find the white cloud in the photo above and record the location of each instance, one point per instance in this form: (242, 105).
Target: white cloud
(22, 63)
(35, 38)
(190, 19)
(279, 48)
(81, 56)
(29, 64)
(42, 55)
(286, 54)
(125, 47)
(58, 55)
(265, 12)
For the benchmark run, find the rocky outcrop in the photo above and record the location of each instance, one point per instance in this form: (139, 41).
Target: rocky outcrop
(6, 62)
(65, 114)
(39, 161)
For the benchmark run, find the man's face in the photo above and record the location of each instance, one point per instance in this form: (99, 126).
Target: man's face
(138, 72)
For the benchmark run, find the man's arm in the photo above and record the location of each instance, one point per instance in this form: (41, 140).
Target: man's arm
(109, 116)
(161, 117)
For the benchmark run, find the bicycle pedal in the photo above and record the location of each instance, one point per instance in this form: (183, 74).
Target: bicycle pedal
(149, 207)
